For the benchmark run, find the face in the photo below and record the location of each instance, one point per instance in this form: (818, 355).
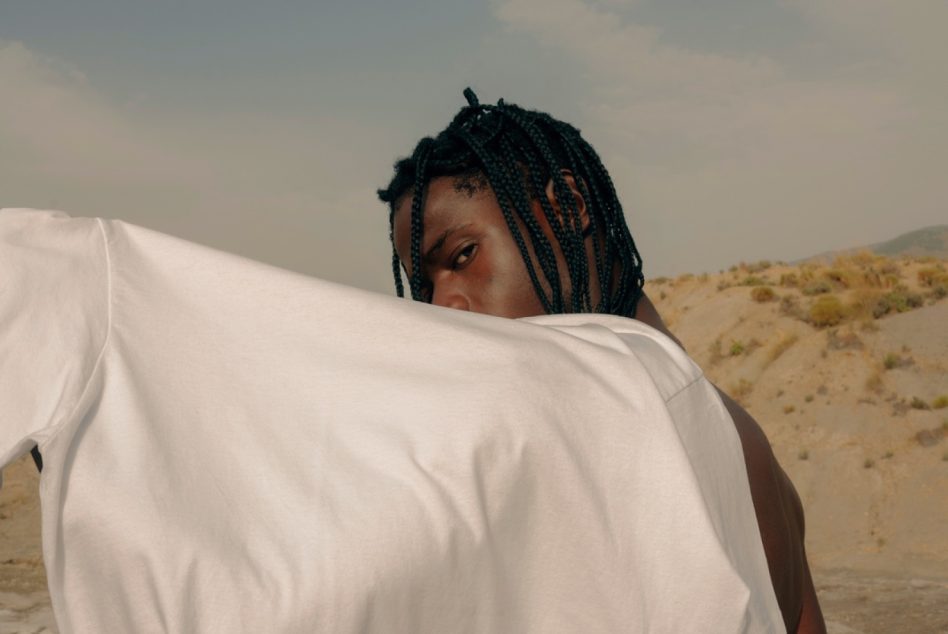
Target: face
(469, 258)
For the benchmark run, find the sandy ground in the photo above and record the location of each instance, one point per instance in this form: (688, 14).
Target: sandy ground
(837, 405)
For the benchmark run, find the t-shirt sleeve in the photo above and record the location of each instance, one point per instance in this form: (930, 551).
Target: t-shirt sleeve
(54, 321)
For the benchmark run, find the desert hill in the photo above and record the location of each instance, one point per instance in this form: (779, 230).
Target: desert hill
(921, 243)
(845, 366)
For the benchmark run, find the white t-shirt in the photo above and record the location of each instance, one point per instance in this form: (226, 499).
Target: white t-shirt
(233, 447)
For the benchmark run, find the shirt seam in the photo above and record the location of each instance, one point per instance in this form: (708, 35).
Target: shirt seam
(684, 388)
(58, 427)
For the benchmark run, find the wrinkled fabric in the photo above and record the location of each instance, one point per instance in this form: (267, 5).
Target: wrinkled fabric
(233, 447)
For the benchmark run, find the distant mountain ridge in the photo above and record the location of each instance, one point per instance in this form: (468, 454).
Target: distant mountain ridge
(926, 242)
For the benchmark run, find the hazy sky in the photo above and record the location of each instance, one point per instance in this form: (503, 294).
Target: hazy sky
(734, 130)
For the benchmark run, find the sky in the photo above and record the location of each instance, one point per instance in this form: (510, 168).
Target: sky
(734, 130)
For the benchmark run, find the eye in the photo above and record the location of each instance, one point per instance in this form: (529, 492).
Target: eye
(464, 256)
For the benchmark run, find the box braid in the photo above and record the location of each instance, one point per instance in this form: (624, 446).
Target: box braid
(516, 152)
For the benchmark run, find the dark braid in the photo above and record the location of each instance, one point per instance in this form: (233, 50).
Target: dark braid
(517, 152)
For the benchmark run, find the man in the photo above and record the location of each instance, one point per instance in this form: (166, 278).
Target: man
(510, 212)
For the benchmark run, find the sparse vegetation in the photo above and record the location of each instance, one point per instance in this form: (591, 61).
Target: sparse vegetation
(893, 360)
(763, 294)
(869, 463)
(918, 403)
(789, 280)
(808, 398)
(927, 277)
(803, 455)
(753, 280)
(737, 348)
(940, 402)
(899, 300)
(827, 311)
(789, 409)
(817, 287)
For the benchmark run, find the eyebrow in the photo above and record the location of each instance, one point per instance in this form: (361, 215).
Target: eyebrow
(442, 239)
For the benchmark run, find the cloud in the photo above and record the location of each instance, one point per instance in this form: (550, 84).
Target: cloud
(725, 156)
(297, 192)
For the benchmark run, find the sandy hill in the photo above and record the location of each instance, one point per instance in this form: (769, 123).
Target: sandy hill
(846, 368)
(921, 243)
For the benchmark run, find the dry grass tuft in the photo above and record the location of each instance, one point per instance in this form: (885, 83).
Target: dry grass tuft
(763, 294)
(827, 311)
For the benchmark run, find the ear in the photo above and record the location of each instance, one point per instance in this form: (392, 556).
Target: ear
(578, 200)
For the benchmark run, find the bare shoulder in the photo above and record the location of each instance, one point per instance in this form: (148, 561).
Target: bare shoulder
(781, 522)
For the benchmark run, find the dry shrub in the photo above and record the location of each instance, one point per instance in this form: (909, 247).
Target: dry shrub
(754, 280)
(863, 304)
(918, 403)
(842, 278)
(940, 402)
(763, 294)
(789, 280)
(737, 348)
(927, 277)
(899, 300)
(817, 287)
(888, 267)
(827, 311)
(659, 280)
(789, 409)
(790, 306)
(844, 341)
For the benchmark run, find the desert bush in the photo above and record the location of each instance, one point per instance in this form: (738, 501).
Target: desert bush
(737, 348)
(869, 463)
(842, 278)
(817, 287)
(763, 294)
(888, 267)
(893, 360)
(756, 267)
(659, 280)
(723, 285)
(827, 311)
(808, 398)
(754, 280)
(918, 403)
(899, 300)
(789, 280)
(940, 402)
(790, 306)
(803, 455)
(863, 303)
(789, 409)
(927, 277)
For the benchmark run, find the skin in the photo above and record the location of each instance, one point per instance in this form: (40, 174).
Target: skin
(471, 262)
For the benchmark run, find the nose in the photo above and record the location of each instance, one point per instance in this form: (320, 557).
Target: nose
(450, 296)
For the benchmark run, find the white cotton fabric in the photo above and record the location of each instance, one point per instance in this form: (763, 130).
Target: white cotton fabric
(233, 447)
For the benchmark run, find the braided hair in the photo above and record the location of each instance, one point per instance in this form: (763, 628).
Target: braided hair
(517, 152)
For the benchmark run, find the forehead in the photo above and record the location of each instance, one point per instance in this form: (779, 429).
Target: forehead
(447, 200)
